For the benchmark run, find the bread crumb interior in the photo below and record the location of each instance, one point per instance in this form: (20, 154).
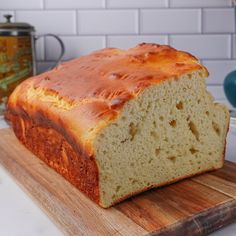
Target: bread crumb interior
(169, 131)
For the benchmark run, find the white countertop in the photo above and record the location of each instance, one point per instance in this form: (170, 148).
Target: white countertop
(20, 216)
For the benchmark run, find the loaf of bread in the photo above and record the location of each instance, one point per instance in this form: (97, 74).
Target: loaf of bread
(118, 122)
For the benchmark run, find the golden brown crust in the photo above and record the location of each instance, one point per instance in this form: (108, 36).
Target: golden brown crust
(95, 87)
(51, 147)
(73, 102)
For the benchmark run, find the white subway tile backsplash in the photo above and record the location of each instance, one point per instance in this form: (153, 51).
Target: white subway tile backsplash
(217, 92)
(170, 21)
(218, 70)
(201, 27)
(108, 22)
(218, 20)
(200, 3)
(56, 22)
(21, 4)
(3, 19)
(234, 46)
(72, 4)
(204, 46)
(126, 42)
(75, 46)
(136, 4)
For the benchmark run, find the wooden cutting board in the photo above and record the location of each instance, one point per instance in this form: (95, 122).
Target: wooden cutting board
(195, 206)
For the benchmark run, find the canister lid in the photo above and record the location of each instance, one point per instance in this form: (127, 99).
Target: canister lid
(9, 26)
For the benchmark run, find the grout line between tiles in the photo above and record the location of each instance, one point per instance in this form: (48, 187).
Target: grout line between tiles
(139, 21)
(44, 46)
(117, 8)
(106, 41)
(77, 22)
(232, 46)
(168, 4)
(201, 21)
(145, 34)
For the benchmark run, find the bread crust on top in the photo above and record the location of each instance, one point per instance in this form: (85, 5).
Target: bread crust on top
(72, 103)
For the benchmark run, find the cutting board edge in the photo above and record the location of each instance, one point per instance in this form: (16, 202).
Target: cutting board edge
(194, 224)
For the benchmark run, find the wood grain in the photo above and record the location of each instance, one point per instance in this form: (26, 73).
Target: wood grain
(196, 206)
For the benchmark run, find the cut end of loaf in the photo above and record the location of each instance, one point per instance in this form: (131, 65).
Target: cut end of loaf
(171, 131)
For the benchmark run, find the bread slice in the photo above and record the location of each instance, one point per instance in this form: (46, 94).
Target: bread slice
(116, 123)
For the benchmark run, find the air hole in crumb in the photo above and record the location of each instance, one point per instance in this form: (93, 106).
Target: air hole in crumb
(210, 153)
(194, 130)
(207, 113)
(173, 123)
(123, 141)
(133, 129)
(133, 181)
(132, 164)
(179, 106)
(150, 160)
(105, 178)
(166, 139)
(157, 151)
(193, 150)
(154, 134)
(172, 158)
(216, 127)
(200, 74)
(123, 118)
(154, 124)
(91, 129)
(118, 188)
(198, 101)
(161, 118)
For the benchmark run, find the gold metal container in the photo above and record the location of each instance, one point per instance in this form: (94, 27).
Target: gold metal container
(17, 56)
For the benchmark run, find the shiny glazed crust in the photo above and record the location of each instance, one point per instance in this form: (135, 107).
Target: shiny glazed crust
(58, 114)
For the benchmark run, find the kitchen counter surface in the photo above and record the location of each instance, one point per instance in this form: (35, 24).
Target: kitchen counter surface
(19, 215)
